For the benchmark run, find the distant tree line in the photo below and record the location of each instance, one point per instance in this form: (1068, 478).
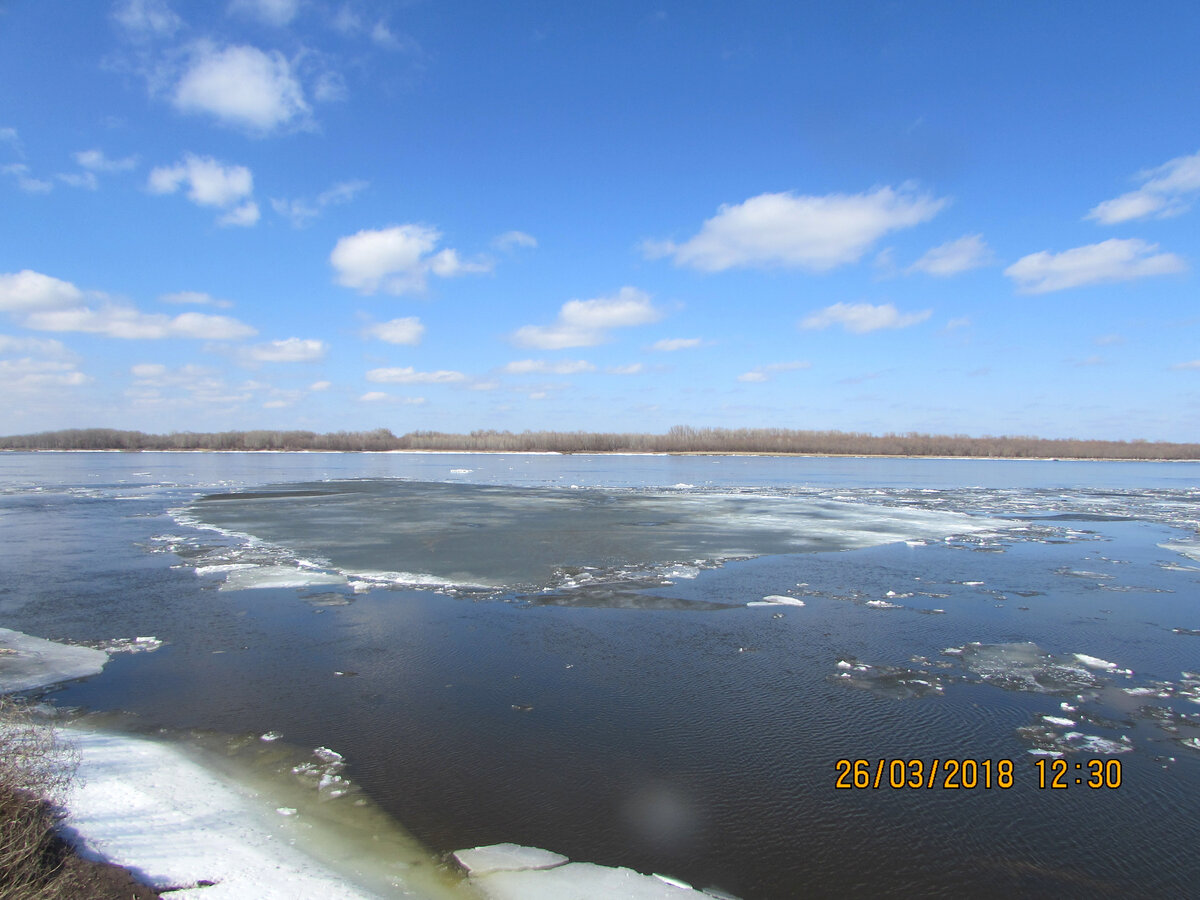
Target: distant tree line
(680, 439)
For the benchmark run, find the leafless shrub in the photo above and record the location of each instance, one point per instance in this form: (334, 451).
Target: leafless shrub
(35, 770)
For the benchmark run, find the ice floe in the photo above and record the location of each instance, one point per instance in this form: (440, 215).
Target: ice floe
(28, 662)
(513, 872)
(777, 600)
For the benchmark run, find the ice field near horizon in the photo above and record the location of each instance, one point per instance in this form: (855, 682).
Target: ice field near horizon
(649, 663)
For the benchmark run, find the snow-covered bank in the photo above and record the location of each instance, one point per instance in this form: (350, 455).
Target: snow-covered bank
(175, 824)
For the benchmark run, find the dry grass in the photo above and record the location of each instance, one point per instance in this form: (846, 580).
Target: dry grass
(35, 769)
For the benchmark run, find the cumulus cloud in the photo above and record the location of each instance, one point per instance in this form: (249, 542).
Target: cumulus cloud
(194, 297)
(397, 260)
(302, 211)
(953, 257)
(1108, 261)
(94, 160)
(272, 12)
(210, 183)
(241, 86)
(320, 386)
(585, 323)
(289, 350)
(1165, 192)
(27, 373)
(144, 19)
(29, 291)
(408, 375)
(544, 367)
(117, 321)
(513, 239)
(397, 331)
(669, 345)
(764, 373)
(861, 318)
(631, 369)
(21, 173)
(817, 233)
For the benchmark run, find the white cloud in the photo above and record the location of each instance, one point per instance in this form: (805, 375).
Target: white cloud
(241, 86)
(320, 386)
(209, 182)
(670, 345)
(381, 397)
(953, 257)
(585, 323)
(1164, 192)
(86, 180)
(544, 367)
(128, 323)
(244, 216)
(511, 239)
(28, 291)
(95, 161)
(9, 136)
(1111, 260)
(396, 260)
(302, 211)
(148, 370)
(1193, 364)
(753, 376)
(957, 323)
(763, 373)
(861, 318)
(810, 232)
(273, 12)
(631, 369)
(25, 181)
(194, 297)
(289, 350)
(408, 375)
(32, 374)
(398, 331)
(47, 347)
(147, 18)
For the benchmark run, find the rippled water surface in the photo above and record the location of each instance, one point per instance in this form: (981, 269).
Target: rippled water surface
(657, 662)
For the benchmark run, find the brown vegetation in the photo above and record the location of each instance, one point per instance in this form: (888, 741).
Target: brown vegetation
(35, 862)
(680, 439)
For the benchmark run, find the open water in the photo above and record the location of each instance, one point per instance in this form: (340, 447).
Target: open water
(658, 662)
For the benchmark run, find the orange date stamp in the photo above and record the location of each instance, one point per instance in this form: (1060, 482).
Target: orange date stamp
(970, 774)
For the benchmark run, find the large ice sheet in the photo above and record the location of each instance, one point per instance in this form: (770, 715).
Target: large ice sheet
(28, 662)
(580, 881)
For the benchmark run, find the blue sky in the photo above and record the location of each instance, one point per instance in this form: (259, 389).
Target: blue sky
(941, 216)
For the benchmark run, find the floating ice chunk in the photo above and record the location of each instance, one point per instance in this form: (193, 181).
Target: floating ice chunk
(579, 881)
(1026, 667)
(683, 486)
(1059, 720)
(842, 664)
(1093, 662)
(328, 756)
(258, 577)
(285, 810)
(507, 858)
(28, 662)
(1091, 743)
(776, 600)
(883, 604)
(674, 882)
(461, 471)
(270, 736)
(1194, 743)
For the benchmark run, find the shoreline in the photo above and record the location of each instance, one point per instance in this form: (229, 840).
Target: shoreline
(665, 453)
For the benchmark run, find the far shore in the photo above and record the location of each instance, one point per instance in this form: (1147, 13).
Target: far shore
(731, 453)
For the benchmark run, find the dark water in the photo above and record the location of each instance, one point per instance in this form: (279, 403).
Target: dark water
(605, 692)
